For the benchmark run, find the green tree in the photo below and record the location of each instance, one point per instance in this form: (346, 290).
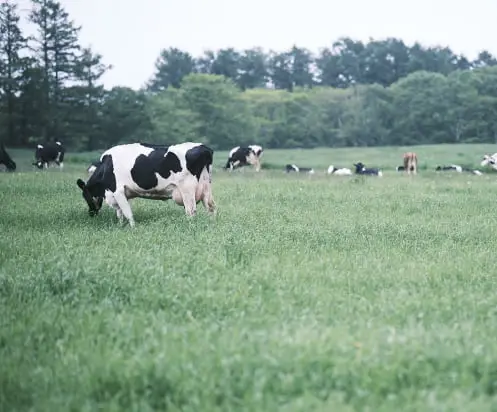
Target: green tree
(170, 68)
(55, 47)
(12, 44)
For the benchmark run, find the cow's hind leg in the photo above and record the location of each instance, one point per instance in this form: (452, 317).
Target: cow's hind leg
(124, 206)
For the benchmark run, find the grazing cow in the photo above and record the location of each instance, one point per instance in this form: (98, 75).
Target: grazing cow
(180, 172)
(6, 160)
(458, 169)
(410, 162)
(490, 160)
(294, 168)
(339, 171)
(360, 169)
(49, 152)
(242, 156)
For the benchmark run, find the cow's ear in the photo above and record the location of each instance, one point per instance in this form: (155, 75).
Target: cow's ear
(81, 184)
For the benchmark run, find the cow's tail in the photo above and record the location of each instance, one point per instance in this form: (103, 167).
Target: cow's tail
(88, 197)
(198, 159)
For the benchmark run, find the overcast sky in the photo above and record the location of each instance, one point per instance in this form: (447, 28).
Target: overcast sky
(130, 33)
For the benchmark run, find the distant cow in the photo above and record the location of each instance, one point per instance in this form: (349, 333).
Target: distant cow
(360, 169)
(458, 169)
(410, 162)
(295, 168)
(243, 155)
(180, 172)
(339, 171)
(402, 168)
(6, 160)
(490, 160)
(49, 152)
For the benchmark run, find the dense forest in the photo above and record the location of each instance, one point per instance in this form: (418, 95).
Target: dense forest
(351, 93)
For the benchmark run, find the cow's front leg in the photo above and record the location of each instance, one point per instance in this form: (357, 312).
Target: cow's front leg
(124, 206)
(257, 165)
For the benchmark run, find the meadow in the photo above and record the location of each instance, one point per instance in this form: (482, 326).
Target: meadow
(304, 293)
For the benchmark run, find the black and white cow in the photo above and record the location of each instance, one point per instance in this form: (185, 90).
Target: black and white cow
(339, 171)
(458, 169)
(361, 169)
(295, 168)
(6, 160)
(180, 172)
(244, 155)
(49, 152)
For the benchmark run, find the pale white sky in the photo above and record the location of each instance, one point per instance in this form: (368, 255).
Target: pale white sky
(130, 33)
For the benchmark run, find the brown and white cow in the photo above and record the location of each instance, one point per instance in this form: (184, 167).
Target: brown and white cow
(410, 162)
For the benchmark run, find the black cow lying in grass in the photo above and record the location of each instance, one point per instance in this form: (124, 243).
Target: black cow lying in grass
(361, 169)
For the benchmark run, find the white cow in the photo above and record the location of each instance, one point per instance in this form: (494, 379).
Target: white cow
(339, 171)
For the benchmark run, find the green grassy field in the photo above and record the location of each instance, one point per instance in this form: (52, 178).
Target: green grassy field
(303, 294)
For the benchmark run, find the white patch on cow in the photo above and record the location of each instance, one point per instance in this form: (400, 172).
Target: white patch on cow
(59, 143)
(339, 172)
(477, 172)
(61, 165)
(294, 167)
(91, 169)
(457, 167)
(40, 146)
(380, 173)
(311, 172)
(233, 151)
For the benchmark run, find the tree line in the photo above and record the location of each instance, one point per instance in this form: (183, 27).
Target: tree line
(382, 92)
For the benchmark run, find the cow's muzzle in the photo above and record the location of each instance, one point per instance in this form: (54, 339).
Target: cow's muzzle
(94, 205)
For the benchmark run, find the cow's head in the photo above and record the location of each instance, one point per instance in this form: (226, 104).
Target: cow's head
(488, 160)
(94, 203)
(359, 167)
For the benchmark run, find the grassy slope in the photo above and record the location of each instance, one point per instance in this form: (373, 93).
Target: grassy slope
(303, 294)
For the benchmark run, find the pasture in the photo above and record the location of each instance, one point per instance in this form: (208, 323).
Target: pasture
(304, 293)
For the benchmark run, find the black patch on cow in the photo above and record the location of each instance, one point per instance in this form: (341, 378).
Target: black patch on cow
(145, 167)
(6, 160)
(101, 180)
(198, 158)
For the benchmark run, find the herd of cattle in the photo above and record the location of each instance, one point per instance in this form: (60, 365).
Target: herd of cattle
(182, 172)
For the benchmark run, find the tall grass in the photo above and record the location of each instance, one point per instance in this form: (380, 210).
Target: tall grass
(304, 293)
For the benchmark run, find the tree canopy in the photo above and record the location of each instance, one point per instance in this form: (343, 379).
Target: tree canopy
(351, 93)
